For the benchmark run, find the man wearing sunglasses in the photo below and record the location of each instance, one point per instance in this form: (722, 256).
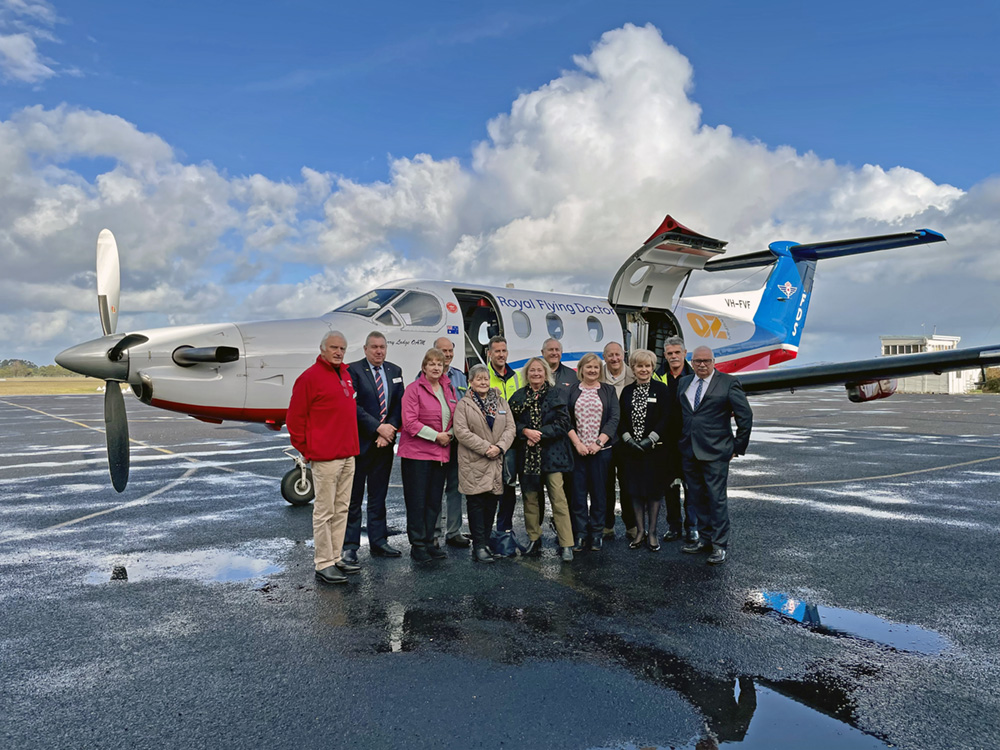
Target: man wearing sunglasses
(709, 401)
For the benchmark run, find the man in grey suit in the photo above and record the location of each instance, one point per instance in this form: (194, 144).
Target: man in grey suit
(709, 401)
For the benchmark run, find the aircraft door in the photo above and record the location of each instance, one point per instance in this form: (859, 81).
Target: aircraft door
(481, 321)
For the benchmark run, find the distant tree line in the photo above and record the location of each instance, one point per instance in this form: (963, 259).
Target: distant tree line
(22, 368)
(992, 382)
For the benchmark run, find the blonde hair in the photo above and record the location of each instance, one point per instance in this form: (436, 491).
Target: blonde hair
(549, 377)
(432, 353)
(586, 359)
(642, 355)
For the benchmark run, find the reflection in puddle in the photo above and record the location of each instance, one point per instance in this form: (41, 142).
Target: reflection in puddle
(816, 710)
(206, 565)
(846, 623)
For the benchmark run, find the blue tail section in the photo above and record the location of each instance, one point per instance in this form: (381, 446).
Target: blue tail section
(787, 293)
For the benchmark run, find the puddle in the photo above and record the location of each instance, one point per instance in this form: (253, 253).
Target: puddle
(847, 623)
(205, 565)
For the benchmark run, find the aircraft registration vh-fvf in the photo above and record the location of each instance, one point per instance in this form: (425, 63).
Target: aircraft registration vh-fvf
(245, 371)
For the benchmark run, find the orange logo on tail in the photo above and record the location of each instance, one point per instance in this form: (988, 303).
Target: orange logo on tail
(707, 326)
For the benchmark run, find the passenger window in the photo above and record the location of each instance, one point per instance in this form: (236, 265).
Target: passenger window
(595, 329)
(522, 324)
(555, 325)
(419, 309)
(387, 319)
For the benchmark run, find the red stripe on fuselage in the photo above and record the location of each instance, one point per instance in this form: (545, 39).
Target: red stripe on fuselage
(746, 364)
(265, 416)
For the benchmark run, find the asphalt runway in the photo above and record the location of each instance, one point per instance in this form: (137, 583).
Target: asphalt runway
(857, 610)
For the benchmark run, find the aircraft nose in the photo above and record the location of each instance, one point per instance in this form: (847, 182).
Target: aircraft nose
(92, 359)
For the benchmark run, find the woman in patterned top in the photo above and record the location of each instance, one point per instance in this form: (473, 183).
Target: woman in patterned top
(544, 454)
(648, 419)
(593, 416)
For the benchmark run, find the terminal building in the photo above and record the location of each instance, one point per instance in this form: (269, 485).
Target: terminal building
(962, 381)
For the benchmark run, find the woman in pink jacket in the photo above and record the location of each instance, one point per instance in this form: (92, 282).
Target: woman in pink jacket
(424, 449)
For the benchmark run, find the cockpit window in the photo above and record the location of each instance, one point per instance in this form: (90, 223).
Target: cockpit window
(371, 303)
(418, 309)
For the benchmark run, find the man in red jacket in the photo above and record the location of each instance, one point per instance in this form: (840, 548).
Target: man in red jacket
(323, 422)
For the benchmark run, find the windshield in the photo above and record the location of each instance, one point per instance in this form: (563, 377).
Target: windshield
(370, 303)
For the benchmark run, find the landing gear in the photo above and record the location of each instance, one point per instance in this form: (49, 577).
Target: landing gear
(297, 485)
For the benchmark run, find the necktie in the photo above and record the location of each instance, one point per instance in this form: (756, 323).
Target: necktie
(697, 393)
(380, 387)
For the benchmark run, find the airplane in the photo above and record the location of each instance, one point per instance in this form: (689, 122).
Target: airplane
(245, 371)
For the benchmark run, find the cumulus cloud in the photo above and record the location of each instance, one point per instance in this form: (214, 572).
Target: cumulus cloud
(566, 184)
(22, 24)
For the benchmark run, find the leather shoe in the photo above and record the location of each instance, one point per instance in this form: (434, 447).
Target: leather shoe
(718, 556)
(567, 554)
(349, 556)
(419, 554)
(436, 553)
(330, 574)
(345, 567)
(534, 548)
(596, 543)
(672, 536)
(384, 550)
(693, 536)
(482, 555)
(458, 541)
(695, 547)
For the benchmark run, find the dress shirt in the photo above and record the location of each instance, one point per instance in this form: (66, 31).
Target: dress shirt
(689, 393)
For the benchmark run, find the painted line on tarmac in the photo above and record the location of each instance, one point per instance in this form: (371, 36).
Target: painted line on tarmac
(865, 479)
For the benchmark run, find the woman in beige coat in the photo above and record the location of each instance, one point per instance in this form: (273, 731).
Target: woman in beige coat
(484, 428)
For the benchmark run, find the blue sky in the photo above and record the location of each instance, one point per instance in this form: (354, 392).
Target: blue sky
(185, 127)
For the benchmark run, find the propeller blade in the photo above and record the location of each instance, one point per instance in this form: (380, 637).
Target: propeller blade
(109, 285)
(116, 428)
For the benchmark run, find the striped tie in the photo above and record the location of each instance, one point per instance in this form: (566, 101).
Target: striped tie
(381, 391)
(697, 393)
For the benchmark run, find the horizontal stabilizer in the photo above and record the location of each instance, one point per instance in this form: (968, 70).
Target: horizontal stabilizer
(825, 250)
(880, 368)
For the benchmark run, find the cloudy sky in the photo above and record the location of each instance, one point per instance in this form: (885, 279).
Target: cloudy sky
(261, 160)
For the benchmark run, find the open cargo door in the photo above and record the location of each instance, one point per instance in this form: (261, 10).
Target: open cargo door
(650, 277)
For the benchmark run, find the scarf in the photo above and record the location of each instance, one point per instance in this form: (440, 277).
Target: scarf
(488, 405)
(533, 406)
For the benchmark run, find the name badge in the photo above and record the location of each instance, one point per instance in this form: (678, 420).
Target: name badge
(397, 380)
(651, 400)
(501, 411)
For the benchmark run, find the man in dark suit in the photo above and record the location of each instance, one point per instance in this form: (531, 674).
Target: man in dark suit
(379, 385)
(709, 401)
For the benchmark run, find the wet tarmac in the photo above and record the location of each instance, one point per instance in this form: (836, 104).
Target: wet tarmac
(857, 608)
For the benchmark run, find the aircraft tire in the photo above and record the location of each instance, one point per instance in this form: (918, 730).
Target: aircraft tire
(295, 490)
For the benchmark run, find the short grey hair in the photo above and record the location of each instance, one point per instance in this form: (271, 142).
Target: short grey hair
(641, 355)
(478, 369)
(549, 339)
(374, 335)
(610, 344)
(329, 335)
(674, 341)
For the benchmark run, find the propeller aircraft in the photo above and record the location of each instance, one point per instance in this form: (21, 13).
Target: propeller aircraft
(245, 371)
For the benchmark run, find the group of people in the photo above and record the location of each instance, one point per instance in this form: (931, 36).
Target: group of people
(570, 436)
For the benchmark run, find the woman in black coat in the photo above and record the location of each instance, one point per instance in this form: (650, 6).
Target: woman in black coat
(593, 416)
(544, 454)
(648, 419)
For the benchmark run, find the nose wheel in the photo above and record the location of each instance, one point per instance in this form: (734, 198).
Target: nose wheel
(297, 485)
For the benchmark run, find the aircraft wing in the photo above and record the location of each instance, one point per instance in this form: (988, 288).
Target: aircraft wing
(879, 368)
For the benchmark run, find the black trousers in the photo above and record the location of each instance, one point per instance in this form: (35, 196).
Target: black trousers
(615, 471)
(505, 515)
(706, 486)
(481, 509)
(590, 477)
(372, 467)
(423, 484)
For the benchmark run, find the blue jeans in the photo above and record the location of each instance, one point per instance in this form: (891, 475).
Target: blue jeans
(590, 478)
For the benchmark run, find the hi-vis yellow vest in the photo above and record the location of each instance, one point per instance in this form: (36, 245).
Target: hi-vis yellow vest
(507, 387)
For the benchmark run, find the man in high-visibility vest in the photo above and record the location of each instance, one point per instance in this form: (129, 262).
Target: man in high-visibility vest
(508, 381)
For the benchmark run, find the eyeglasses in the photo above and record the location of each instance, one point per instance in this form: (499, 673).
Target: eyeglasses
(702, 361)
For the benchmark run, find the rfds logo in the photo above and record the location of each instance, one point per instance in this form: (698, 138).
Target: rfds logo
(707, 326)
(788, 289)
